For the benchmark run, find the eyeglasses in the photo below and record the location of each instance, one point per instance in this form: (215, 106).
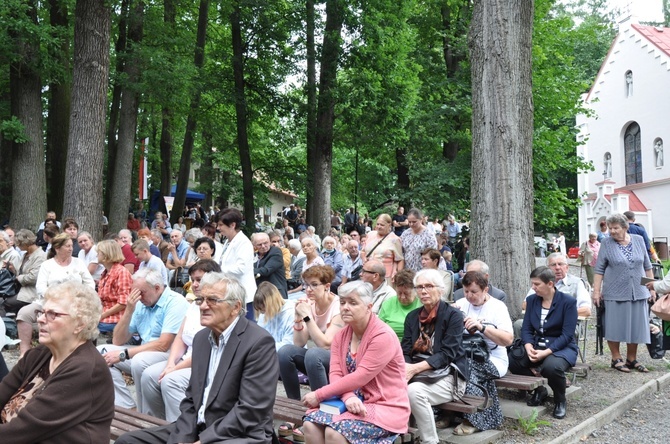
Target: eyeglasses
(308, 286)
(363, 270)
(428, 287)
(50, 315)
(210, 300)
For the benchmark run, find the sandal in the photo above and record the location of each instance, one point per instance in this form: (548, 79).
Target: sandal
(298, 436)
(464, 429)
(618, 364)
(634, 365)
(285, 429)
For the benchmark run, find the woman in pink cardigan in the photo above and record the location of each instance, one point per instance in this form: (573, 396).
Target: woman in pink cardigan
(365, 357)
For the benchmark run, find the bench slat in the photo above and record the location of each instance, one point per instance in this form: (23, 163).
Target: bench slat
(520, 382)
(474, 404)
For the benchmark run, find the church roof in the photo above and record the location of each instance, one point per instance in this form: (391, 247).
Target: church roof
(634, 202)
(657, 35)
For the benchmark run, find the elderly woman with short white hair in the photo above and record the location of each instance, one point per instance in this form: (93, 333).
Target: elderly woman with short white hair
(433, 340)
(333, 257)
(26, 274)
(61, 391)
(367, 373)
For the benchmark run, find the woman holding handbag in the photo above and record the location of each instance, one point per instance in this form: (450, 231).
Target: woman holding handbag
(384, 246)
(588, 253)
(487, 317)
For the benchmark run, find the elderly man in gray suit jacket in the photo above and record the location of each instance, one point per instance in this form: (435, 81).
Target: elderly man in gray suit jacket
(234, 377)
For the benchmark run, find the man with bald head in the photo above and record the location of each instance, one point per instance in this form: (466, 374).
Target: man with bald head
(269, 264)
(482, 267)
(125, 241)
(374, 273)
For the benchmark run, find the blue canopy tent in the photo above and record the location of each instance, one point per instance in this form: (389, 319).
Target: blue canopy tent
(157, 200)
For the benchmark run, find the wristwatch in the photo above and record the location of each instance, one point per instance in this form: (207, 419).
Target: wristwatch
(124, 355)
(483, 328)
(306, 319)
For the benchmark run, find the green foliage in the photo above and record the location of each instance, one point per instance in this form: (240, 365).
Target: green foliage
(531, 425)
(12, 129)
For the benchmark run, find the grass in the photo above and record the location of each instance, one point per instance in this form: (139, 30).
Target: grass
(532, 425)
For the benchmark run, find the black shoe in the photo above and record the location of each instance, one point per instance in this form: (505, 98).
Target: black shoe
(538, 397)
(559, 410)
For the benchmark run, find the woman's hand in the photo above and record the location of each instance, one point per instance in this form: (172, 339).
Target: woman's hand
(472, 325)
(168, 369)
(596, 298)
(652, 294)
(310, 400)
(411, 370)
(302, 309)
(356, 406)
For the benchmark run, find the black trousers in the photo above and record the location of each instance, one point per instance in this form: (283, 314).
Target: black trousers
(4, 371)
(552, 367)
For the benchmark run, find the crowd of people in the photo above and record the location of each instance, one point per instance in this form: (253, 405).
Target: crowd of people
(207, 321)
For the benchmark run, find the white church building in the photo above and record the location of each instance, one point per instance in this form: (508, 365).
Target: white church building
(626, 134)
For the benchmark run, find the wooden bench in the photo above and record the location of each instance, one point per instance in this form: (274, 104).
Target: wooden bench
(580, 369)
(520, 382)
(292, 410)
(472, 404)
(126, 420)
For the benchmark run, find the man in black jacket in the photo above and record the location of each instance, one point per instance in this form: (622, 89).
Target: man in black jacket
(270, 264)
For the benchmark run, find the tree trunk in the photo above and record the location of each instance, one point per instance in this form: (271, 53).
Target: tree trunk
(502, 135)
(311, 109)
(125, 149)
(187, 149)
(28, 169)
(403, 170)
(115, 107)
(5, 169)
(323, 152)
(169, 18)
(207, 169)
(58, 117)
(86, 146)
(241, 113)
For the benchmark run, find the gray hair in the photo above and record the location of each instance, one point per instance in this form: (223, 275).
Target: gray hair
(328, 238)
(294, 244)
(87, 234)
(83, 304)
(128, 232)
(483, 266)
(156, 232)
(192, 235)
(234, 290)
(150, 276)
(362, 289)
(432, 276)
(24, 238)
(618, 219)
(558, 255)
(5, 236)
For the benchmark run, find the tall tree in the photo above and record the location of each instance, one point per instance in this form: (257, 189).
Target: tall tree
(86, 147)
(167, 114)
(115, 106)
(502, 135)
(241, 116)
(28, 173)
(189, 136)
(325, 117)
(58, 117)
(120, 185)
(311, 106)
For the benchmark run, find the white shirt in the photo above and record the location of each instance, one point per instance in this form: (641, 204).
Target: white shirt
(91, 258)
(214, 360)
(238, 260)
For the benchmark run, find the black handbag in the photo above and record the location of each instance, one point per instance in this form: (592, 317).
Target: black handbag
(8, 285)
(656, 349)
(476, 347)
(429, 376)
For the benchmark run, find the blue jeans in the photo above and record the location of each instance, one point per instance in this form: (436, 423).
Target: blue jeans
(105, 327)
(314, 362)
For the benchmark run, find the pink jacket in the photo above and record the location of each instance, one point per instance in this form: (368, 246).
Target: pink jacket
(380, 374)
